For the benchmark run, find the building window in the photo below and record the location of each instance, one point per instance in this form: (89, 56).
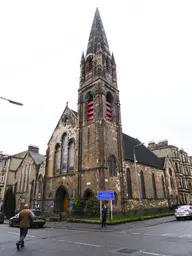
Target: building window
(163, 186)
(71, 155)
(57, 158)
(108, 65)
(177, 168)
(90, 109)
(154, 186)
(21, 179)
(24, 179)
(142, 185)
(109, 102)
(129, 184)
(114, 202)
(89, 64)
(4, 164)
(171, 179)
(64, 153)
(112, 166)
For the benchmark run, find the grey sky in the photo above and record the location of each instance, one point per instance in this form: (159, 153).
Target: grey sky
(40, 50)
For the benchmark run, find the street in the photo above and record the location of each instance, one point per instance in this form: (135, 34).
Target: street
(169, 239)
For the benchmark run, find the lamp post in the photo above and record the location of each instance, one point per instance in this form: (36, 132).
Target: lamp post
(137, 180)
(12, 102)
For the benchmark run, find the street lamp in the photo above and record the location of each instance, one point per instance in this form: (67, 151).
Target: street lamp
(137, 179)
(12, 102)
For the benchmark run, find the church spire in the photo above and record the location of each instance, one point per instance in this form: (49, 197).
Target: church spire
(97, 36)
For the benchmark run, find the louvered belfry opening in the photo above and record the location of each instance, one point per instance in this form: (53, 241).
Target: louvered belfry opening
(90, 109)
(109, 101)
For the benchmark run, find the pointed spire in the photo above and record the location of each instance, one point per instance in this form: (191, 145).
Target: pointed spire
(113, 60)
(82, 59)
(97, 35)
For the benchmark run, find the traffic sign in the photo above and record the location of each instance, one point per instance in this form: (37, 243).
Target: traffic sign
(105, 195)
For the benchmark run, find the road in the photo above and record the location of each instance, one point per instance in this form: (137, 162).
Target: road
(170, 239)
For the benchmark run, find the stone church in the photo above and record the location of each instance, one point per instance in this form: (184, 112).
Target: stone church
(88, 152)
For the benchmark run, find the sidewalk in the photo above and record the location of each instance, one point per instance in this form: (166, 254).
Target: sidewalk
(120, 227)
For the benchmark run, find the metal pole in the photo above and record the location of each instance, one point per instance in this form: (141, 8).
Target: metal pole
(12, 102)
(111, 210)
(100, 209)
(137, 180)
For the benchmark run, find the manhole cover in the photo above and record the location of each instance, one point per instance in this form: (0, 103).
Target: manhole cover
(127, 251)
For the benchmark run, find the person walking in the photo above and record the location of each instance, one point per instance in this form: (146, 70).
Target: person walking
(25, 216)
(104, 216)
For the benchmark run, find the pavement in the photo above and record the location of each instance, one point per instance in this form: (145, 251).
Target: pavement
(97, 227)
(169, 239)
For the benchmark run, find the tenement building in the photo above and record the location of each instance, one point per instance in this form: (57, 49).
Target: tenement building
(182, 167)
(88, 152)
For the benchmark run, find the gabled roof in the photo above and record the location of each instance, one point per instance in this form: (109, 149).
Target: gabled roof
(74, 113)
(38, 158)
(143, 154)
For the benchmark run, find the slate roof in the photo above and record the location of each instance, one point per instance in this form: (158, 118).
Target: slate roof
(38, 158)
(143, 154)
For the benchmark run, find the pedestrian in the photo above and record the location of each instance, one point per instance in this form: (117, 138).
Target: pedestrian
(104, 216)
(25, 216)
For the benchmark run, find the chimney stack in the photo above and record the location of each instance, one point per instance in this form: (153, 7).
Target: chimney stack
(163, 143)
(34, 149)
(151, 144)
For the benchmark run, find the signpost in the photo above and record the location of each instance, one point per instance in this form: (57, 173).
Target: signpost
(106, 196)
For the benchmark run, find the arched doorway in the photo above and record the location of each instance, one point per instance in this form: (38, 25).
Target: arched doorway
(88, 194)
(62, 199)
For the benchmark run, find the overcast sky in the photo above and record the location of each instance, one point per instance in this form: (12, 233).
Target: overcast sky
(41, 43)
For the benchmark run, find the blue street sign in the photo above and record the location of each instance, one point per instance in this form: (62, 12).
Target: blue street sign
(105, 195)
(52, 204)
(71, 204)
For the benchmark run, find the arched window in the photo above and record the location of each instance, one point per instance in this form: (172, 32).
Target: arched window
(112, 166)
(89, 64)
(57, 158)
(40, 187)
(177, 168)
(163, 186)
(143, 191)
(71, 155)
(109, 102)
(21, 179)
(154, 186)
(114, 202)
(171, 179)
(129, 184)
(108, 65)
(64, 153)
(90, 107)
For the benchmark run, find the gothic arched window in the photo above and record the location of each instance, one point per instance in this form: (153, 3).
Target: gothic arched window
(71, 155)
(89, 64)
(109, 102)
(163, 186)
(154, 186)
(171, 179)
(112, 166)
(129, 184)
(142, 185)
(57, 158)
(114, 202)
(64, 153)
(90, 107)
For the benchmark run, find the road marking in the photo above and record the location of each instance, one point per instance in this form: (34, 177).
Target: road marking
(14, 233)
(153, 253)
(80, 243)
(135, 233)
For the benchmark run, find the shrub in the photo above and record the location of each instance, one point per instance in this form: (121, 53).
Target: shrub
(93, 207)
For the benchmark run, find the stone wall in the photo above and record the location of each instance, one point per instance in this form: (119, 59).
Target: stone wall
(149, 201)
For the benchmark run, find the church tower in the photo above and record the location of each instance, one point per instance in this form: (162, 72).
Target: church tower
(100, 151)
